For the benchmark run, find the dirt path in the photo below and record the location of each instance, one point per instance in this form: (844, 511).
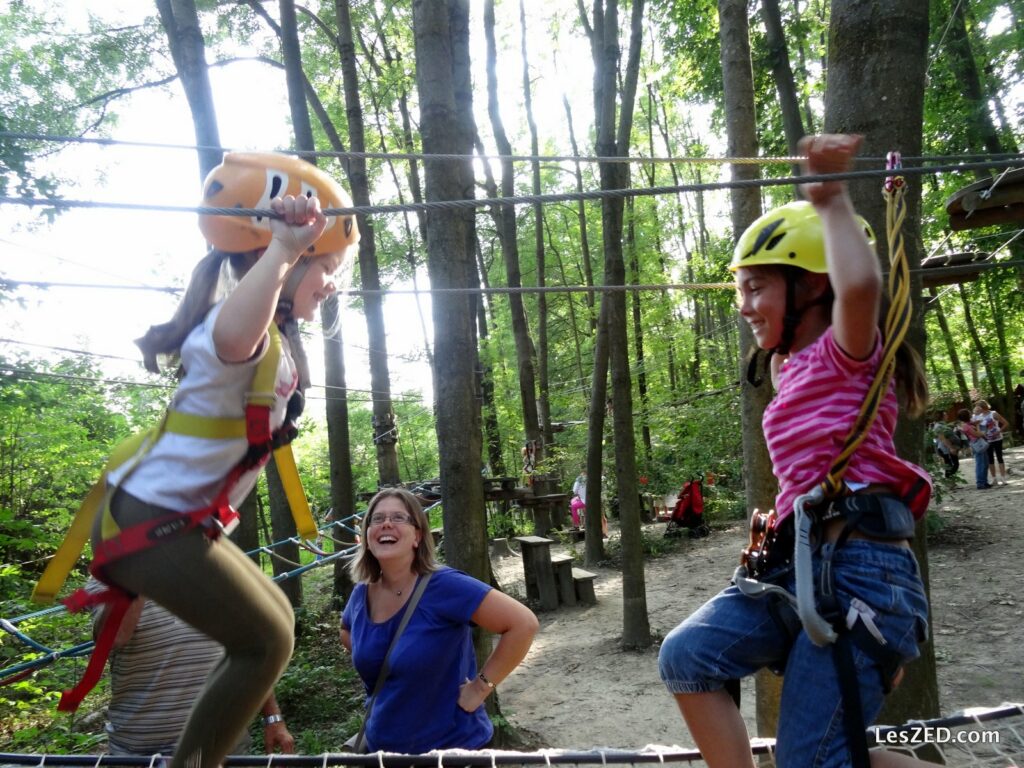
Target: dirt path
(578, 689)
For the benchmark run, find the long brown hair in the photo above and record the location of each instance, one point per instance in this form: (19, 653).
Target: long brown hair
(200, 296)
(365, 567)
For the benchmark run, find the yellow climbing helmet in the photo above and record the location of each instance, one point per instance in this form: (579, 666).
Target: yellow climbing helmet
(791, 234)
(252, 180)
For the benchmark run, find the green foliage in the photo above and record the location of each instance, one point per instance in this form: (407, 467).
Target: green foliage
(320, 693)
(57, 426)
(60, 82)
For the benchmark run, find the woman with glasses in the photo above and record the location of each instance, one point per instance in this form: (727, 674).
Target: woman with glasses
(433, 695)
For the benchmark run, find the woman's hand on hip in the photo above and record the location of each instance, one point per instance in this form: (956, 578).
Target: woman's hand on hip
(472, 694)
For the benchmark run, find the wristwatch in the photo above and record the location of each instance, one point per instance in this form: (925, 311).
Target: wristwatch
(487, 682)
(271, 719)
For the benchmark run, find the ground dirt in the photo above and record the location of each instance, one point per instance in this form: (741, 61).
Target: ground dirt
(578, 689)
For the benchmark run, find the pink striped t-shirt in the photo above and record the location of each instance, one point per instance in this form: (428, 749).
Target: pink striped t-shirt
(821, 389)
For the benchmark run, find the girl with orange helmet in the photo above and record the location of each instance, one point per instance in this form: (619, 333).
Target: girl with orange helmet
(809, 286)
(281, 269)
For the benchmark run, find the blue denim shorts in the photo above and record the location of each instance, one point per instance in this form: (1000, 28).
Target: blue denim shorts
(732, 636)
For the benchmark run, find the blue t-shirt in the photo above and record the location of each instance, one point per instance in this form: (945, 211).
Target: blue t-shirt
(417, 708)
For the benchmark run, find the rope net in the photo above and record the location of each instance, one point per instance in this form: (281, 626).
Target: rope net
(984, 737)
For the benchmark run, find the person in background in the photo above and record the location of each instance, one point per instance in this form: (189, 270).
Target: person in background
(433, 697)
(158, 667)
(942, 436)
(578, 502)
(579, 487)
(979, 451)
(992, 425)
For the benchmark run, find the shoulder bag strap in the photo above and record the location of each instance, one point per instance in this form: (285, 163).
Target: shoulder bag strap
(386, 666)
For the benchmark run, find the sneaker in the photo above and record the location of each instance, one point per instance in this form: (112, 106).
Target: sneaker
(1002, 482)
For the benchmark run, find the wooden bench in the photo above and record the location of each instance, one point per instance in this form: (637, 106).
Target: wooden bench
(583, 582)
(563, 578)
(539, 573)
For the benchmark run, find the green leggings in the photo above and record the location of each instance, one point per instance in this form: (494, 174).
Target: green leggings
(214, 587)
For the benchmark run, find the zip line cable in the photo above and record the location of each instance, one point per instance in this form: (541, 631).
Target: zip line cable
(522, 289)
(4, 282)
(559, 197)
(123, 382)
(686, 159)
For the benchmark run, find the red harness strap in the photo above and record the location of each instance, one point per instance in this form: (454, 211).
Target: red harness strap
(217, 518)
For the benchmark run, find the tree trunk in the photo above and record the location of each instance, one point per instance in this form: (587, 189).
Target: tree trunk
(543, 403)
(291, 53)
(961, 60)
(581, 217)
(760, 485)
(385, 428)
(282, 528)
(979, 347)
(188, 50)
(492, 430)
(339, 452)
(877, 60)
(451, 266)
(247, 534)
(595, 514)
(947, 337)
(1005, 396)
(638, 338)
(505, 221)
(782, 74)
(636, 632)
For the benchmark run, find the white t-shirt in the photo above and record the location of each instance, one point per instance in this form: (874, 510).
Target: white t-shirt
(186, 473)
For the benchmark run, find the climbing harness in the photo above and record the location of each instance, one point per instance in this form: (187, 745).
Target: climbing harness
(216, 518)
(879, 515)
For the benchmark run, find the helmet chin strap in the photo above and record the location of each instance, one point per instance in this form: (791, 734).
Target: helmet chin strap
(790, 322)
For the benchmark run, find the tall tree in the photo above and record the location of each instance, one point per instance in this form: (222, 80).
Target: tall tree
(339, 454)
(876, 77)
(505, 221)
(188, 50)
(543, 394)
(782, 74)
(450, 263)
(947, 337)
(613, 140)
(741, 122)
(385, 428)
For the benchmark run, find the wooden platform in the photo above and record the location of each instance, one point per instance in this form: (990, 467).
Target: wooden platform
(998, 200)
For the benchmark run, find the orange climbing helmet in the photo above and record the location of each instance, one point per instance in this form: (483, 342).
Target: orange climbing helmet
(791, 234)
(252, 180)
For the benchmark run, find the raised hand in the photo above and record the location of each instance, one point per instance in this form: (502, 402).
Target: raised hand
(828, 153)
(300, 224)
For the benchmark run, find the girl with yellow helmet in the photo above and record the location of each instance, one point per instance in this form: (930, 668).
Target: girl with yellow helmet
(283, 268)
(809, 286)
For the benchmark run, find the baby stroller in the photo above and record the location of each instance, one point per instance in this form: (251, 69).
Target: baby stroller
(688, 513)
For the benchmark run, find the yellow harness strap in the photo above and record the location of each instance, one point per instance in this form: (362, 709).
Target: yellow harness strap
(135, 448)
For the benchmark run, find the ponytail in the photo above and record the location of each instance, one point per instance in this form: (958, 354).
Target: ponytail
(167, 338)
(911, 383)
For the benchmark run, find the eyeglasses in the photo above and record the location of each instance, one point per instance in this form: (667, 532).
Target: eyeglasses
(398, 518)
